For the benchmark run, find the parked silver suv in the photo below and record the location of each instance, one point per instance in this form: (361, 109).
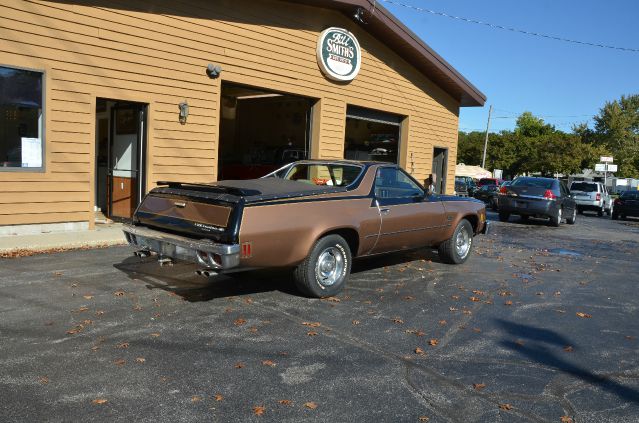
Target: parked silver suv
(591, 196)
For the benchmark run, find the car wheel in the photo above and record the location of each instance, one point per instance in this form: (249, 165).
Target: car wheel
(556, 219)
(503, 216)
(615, 216)
(571, 220)
(493, 204)
(600, 212)
(524, 217)
(580, 210)
(456, 249)
(324, 272)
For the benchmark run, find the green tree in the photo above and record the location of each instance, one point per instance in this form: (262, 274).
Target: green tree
(529, 125)
(617, 126)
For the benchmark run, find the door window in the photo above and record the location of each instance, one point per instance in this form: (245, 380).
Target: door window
(393, 183)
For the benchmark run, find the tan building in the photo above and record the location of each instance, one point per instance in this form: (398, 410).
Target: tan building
(100, 99)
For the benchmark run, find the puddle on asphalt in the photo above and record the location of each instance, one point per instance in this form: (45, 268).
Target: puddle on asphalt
(563, 252)
(524, 276)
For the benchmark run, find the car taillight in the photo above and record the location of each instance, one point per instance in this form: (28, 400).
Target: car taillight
(598, 197)
(549, 195)
(502, 190)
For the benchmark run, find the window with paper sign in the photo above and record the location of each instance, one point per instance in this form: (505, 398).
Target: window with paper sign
(21, 132)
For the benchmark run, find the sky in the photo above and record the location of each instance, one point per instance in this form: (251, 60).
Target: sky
(563, 83)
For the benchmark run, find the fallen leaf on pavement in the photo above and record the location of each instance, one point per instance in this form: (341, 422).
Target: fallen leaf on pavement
(140, 360)
(120, 362)
(332, 299)
(479, 386)
(285, 402)
(566, 419)
(474, 299)
(423, 418)
(419, 351)
(583, 315)
(155, 334)
(269, 363)
(311, 405)
(508, 303)
(505, 406)
(442, 322)
(239, 322)
(122, 345)
(218, 397)
(356, 322)
(568, 348)
(397, 320)
(239, 365)
(258, 410)
(99, 401)
(43, 380)
(87, 297)
(433, 342)
(453, 309)
(311, 333)
(118, 293)
(196, 398)
(312, 324)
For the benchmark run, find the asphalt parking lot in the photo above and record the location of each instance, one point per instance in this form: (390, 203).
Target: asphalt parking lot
(541, 324)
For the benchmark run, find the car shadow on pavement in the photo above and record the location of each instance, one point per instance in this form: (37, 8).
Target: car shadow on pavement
(533, 343)
(365, 264)
(181, 280)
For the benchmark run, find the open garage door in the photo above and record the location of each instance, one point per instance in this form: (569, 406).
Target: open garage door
(261, 130)
(371, 135)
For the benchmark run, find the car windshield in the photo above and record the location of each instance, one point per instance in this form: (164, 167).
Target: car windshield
(331, 174)
(583, 186)
(533, 182)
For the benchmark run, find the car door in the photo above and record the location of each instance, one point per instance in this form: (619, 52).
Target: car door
(409, 217)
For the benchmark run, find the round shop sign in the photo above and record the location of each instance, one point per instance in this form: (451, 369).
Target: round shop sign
(338, 54)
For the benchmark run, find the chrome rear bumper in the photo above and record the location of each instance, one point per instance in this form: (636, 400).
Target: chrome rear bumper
(204, 252)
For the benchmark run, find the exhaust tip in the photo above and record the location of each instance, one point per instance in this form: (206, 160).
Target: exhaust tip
(206, 272)
(142, 253)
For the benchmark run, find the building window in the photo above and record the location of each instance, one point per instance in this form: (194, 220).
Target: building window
(21, 137)
(371, 135)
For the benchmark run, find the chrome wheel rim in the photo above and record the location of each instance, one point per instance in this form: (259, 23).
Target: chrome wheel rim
(574, 215)
(462, 243)
(559, 216)
(330, 266)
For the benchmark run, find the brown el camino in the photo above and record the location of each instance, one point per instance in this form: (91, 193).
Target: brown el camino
(315, 216)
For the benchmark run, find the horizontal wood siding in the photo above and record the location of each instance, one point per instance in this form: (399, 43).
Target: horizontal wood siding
(156, 53)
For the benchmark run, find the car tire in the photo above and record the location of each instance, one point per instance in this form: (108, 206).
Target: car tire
(524, 217)
(458, 247)
(503, 216)
(601, 211)
(571, 220)
(580, 210)
(556, 219)
(325, 271)
(493, 204)
(615, 216)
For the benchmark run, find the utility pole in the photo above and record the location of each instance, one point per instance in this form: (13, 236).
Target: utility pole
(483, 160)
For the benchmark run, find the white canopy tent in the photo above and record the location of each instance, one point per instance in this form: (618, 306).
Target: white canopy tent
(475, 172)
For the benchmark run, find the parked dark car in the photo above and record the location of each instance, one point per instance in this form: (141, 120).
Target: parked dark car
(488, 194)
(626, 205)
(537, 197)
(469, 187)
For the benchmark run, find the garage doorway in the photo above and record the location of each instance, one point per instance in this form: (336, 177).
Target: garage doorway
(440, 158)
(371, 135)
(261, 130)
(120, 157)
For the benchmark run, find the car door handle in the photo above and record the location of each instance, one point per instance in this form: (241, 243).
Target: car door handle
(384, 211)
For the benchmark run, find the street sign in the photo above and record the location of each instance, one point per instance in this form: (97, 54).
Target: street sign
(600, 167)
(612, 168)
(606, 159)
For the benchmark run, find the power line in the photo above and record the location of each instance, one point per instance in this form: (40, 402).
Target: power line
(545, 116)
(506, 28)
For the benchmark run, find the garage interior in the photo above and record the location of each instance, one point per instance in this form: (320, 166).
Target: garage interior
(371, 135)
(261, 130)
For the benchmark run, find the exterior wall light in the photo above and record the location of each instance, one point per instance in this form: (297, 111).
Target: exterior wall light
(184, 112)
(213, 71)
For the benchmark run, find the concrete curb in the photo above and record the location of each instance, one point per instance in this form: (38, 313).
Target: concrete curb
(102, 236)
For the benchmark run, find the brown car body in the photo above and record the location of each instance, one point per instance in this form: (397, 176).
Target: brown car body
(273, 222)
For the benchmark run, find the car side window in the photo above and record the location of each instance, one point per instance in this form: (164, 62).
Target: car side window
(392, 182)
(564, 190)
